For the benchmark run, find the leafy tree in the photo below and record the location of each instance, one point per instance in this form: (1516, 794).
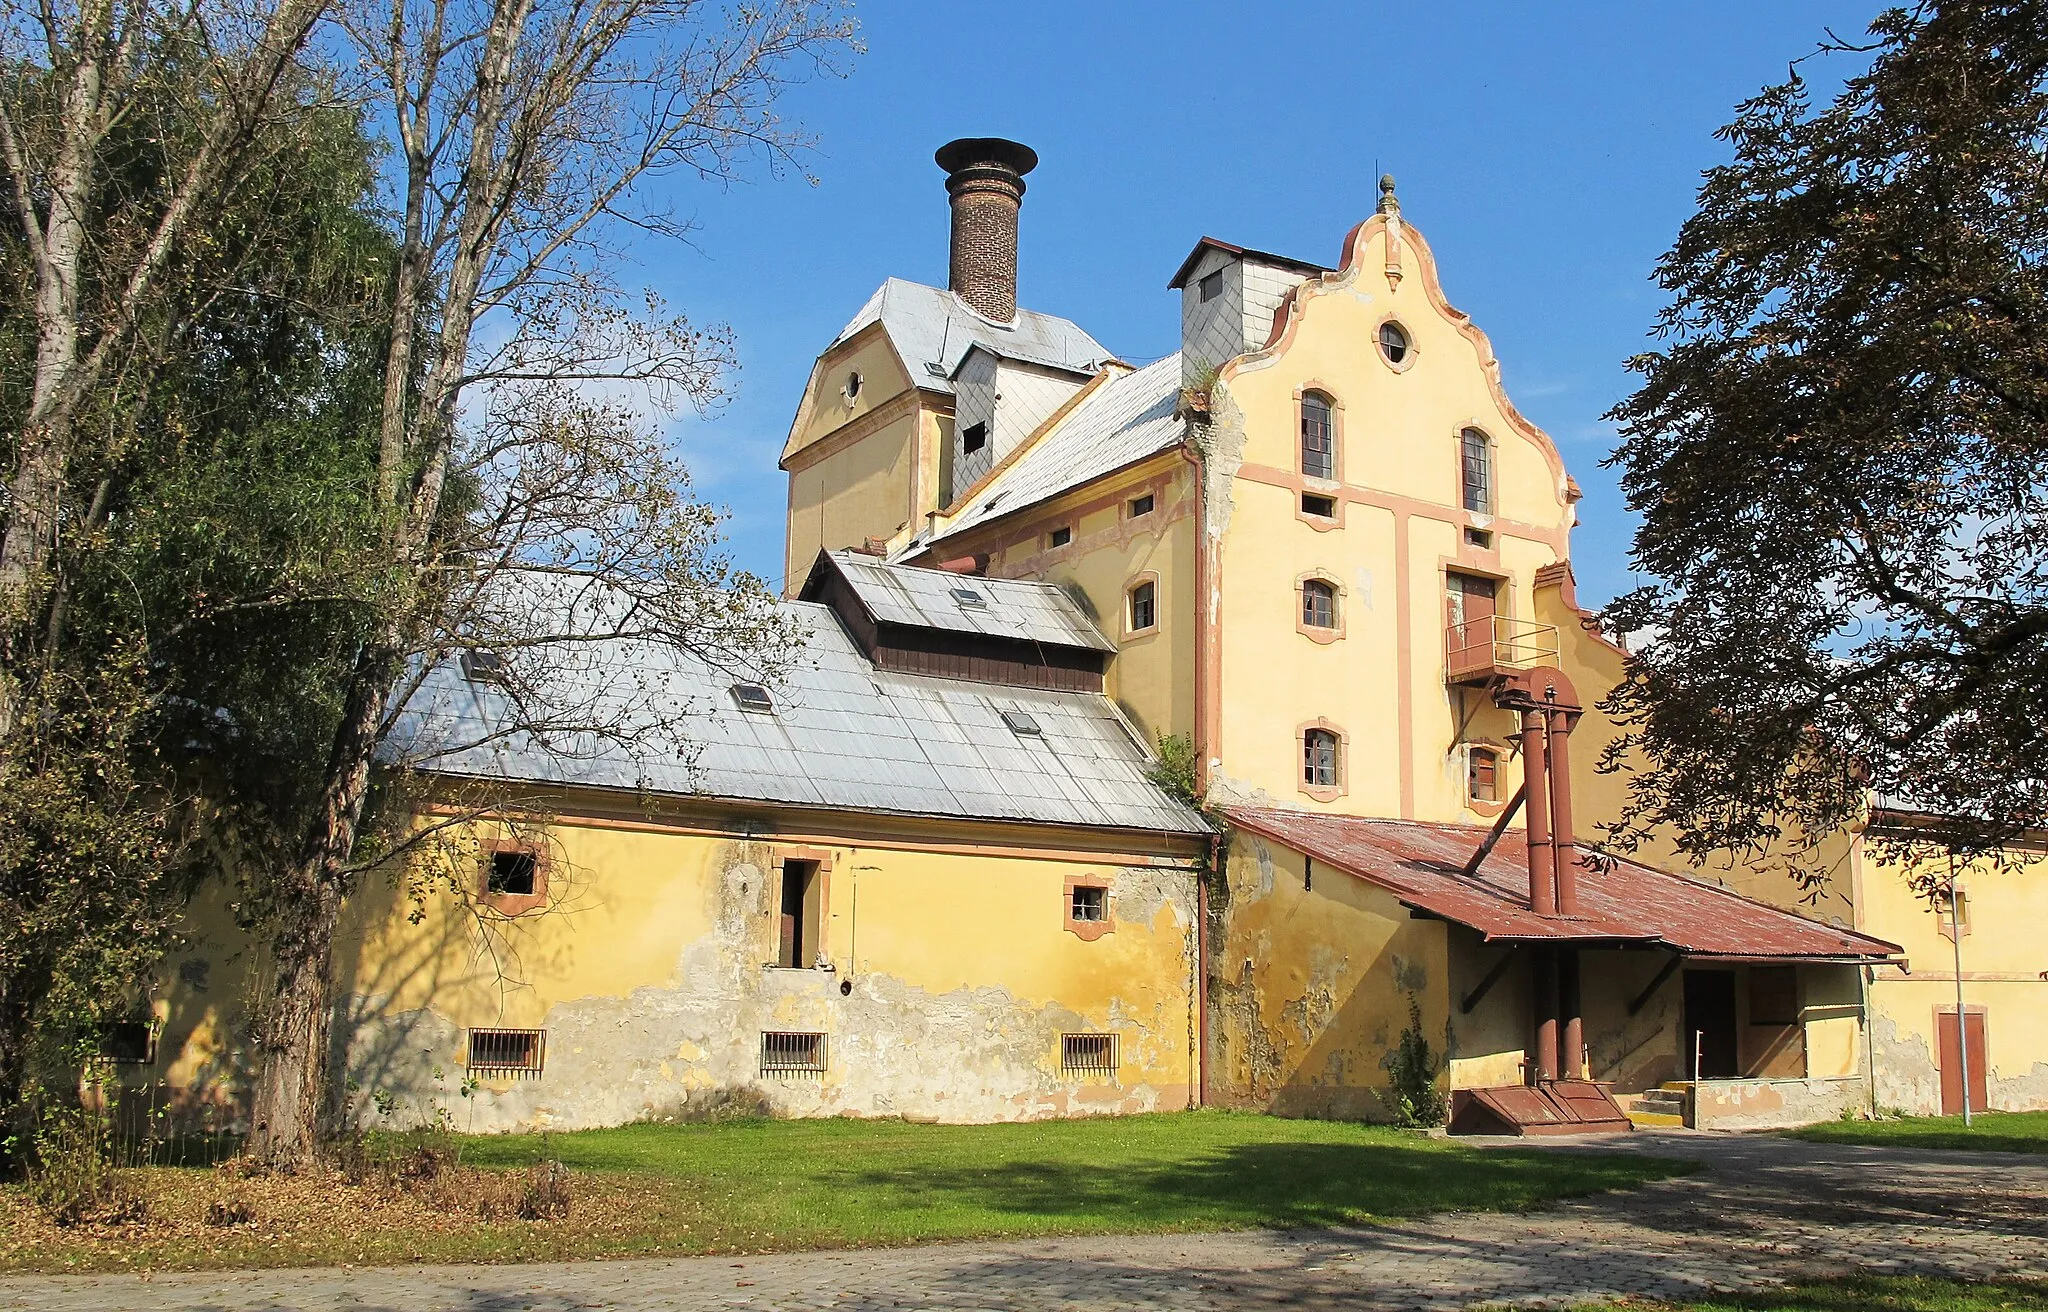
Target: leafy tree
(1840, 456)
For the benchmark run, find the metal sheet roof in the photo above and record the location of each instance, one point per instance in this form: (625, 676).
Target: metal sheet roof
(1020, 609)
(1423, 865)
(932, 327)
(1127, 419)
(842, 735)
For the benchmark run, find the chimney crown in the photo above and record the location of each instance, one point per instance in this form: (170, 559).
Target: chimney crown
(985, 179)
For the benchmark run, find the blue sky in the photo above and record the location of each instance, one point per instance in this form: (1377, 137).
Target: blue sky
(1548, 152)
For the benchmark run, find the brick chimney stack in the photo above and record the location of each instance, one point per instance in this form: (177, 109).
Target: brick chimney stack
(985, 178)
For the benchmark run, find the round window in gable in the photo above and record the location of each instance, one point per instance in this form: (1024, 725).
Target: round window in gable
(1394, 342)
(853, 381)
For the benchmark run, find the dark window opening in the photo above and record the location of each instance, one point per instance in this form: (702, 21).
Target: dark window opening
(128, 1043)
(1062, 536)
(1393, 342)
(785, 1050)
(1144, 607)
(1088, 1052)
(969, 599)
(1211, 286)
(1318, 437)
(1319, 506)
(483, 666)
(1480, 538)
(507, 1050)
(974, 438)
(801, 903)
(853, 381)
(1318, 604)
(1319, 758)
(752, 697)
(1476, 471)
(1089, 903)
(1023, 722)
(1773, 995)
(1141, 505)
(1482, 774)
(514, 873)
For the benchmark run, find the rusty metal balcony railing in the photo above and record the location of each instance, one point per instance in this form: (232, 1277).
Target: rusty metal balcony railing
(1481, 649)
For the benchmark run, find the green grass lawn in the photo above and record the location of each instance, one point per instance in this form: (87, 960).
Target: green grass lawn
(1993, 1132)
(764, 1186)
(1878, 1294)
(868, 1182)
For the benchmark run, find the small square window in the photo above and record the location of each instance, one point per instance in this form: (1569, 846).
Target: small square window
(752, 697)
(1320, 506)
(1141, 505)
(514, 873)
(1023, 722)
(787, 1051)
(1090, 903)
(128, 1043)
(1480, 538)
(969, 599)
(974, 438)
(1061, 536)
(1211, 286)
(481, 666)
(508, 1051)
(1088, 1052)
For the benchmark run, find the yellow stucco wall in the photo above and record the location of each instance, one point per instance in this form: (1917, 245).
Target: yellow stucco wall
(2002, 969)
(646, 969)
(1400, 526)
(1313, 987)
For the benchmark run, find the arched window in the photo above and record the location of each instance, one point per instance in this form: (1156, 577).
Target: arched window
(1319, 758)
(1318, 437)
(1318, 604)
(1475, 465)
(1482, 774)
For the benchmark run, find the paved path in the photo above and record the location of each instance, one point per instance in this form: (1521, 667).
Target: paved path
(1764, 1210)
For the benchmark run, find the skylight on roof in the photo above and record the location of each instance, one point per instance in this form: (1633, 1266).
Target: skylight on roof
(970, 599)
(1022, 722)
(752, 697)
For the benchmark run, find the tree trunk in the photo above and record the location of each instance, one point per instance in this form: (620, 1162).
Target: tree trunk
(286, 1119)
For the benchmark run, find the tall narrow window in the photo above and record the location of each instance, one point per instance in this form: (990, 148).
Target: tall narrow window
(1318, 604)
(1144, 604)
(1319, 758)
(1482, 774)
(1476, 469)
(1318, 444)
(803, 901)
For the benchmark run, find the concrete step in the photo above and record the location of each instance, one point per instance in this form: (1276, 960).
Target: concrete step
(1657, 1100)
(1677, 1086)
(1657, 1120)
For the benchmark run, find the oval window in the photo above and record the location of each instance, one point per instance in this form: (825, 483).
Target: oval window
(1394, 342)
(853, 381)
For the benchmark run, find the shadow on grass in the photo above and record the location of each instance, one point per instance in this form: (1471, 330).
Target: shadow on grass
(1944, 1140)
(1891, 1294)
(1267, 1184)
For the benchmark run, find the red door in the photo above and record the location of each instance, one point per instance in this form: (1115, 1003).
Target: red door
(1952, 1064)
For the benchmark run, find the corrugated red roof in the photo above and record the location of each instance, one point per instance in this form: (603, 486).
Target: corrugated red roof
(1423, 865)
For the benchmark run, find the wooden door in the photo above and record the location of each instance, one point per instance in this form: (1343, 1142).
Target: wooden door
(1952, 1064)
(1468, 604)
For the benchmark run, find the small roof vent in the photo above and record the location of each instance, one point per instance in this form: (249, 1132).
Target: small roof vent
(969, 599)
(752, 697)
(1023, 723)
(482, 666)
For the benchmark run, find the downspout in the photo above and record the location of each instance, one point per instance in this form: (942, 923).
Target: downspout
(1202, 970)
(1204, 617)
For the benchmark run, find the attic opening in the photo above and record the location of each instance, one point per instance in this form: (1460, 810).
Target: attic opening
(973, 438)
(513, 872)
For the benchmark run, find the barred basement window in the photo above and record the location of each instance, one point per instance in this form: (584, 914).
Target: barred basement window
(785, 1050)
(507, 1051)
(1088, 1052)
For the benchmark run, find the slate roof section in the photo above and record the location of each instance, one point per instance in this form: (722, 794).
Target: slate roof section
(1423, 866)
(1124, 421)
(842, 735)
(931, 326)
(1022, 610)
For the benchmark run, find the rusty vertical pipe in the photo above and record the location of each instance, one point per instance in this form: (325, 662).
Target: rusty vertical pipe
(1563, 842)
(1573, 1056)
(1536, 778)
(1546, 1013)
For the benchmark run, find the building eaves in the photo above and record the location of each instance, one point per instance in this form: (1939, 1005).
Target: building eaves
(932, 331)
(1621, 902)
(1180, 276)
(1017, 610)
